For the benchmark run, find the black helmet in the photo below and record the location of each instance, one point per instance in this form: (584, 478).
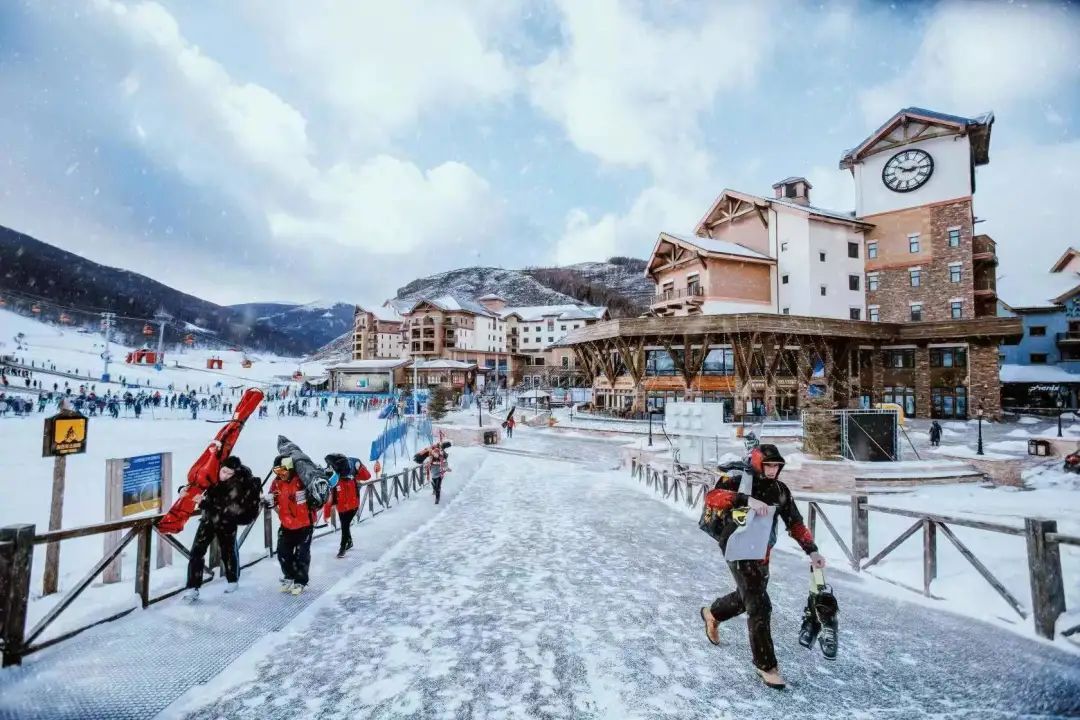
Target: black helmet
(763, 454)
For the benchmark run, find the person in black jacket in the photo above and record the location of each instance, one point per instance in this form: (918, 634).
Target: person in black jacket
(222, 504)
(752, 576)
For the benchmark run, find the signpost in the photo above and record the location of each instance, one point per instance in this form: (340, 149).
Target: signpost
(136, 485)
(64, 434)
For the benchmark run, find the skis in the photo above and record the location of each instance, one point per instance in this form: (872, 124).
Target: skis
(819, 617)
(204, 472)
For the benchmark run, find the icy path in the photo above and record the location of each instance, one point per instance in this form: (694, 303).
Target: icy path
(545, 590)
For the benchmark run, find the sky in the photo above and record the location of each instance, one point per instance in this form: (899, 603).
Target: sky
(262, 150)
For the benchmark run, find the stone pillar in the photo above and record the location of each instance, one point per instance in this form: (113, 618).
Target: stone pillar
(877, 382)
(984, 384)
(922, 382)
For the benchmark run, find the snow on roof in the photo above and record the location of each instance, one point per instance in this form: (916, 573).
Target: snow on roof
(443, 365)
(491, 296)
(1037, 290)
(534, 394)
(814, 209)
(385, 314)
(792, 179)
(449, 303)
(1037, 374)
(401, 305)
(384, 364)
(534, 313)
(718, 246)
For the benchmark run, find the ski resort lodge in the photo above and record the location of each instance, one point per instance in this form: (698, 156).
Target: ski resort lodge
(770, 301)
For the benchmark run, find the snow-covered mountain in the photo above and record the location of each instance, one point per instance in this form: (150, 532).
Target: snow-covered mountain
(472, 282)
(313, 324)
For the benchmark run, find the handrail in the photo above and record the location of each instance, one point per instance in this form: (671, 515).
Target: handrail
(1042, 539)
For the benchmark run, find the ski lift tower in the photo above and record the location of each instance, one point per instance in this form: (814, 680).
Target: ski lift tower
(107, 320)
(161, 317)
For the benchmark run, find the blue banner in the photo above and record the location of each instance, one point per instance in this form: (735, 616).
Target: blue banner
(142, 484)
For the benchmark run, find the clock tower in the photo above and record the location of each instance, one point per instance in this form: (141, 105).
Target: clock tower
(915, 182)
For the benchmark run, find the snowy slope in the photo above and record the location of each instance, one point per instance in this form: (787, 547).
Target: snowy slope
(472, 282)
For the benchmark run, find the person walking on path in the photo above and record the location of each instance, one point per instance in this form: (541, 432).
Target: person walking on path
(510, 422)
(437, 467)
(288, 495)
(341, 421)
(752, 576)
(346, 497)
(222, 505)
(329, 418)
(935, 434)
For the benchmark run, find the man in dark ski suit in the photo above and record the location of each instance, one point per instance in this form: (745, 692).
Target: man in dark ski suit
(752, 576)
(221, 504)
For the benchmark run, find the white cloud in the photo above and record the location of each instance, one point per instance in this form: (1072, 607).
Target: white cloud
(630, 91)
(982, 56)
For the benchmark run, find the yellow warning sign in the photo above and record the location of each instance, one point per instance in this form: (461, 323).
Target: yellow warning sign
(65, 434)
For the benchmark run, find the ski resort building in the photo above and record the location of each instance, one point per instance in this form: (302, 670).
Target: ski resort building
(772, 301)
(535, 333)
(378, 333)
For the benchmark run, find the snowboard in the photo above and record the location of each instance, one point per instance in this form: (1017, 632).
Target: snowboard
(314, 478)
(204, 472)
(423, 454)
(508, 416)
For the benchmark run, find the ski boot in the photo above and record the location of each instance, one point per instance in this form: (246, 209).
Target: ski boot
(286, 585)
(826, 609)
(231, 588)
(191, 595)
(297, 588)
(808, 633)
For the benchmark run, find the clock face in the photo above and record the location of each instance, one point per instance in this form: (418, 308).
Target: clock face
(907, 170)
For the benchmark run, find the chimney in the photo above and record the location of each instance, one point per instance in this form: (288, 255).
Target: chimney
(793, 189)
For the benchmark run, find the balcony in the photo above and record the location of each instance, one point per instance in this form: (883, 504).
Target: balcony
(986, 287)
(984, 249)
(693, 294)
(1069, 339)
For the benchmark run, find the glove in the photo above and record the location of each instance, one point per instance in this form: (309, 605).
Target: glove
(817, 561)
(268, 500)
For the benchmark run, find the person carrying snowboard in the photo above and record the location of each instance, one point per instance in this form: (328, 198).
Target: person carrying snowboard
(345, 496)
(752, 576)
(935, 434)
(288, 495)
(232, 500)
(510, 427)
(437, 467)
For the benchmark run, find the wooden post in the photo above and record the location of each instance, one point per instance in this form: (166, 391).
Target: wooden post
(929, 544)
(142, 565)
(114, 502)
(56, 520)
(16, 561)
(164, 549)
(860, 531)
(1044, 567)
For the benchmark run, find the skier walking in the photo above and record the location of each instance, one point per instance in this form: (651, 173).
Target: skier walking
(341, 421)
(288, 495)
(437, 467)
(935, 434)
(346, 497)
(233, 499)
(329, 418)
(752, 576)
(510, 422)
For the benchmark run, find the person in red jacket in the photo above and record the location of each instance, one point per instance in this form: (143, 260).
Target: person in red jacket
(288, 495)
(346, 497)
(752, 576)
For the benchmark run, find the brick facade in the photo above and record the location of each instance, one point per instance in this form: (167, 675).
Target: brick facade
(894, 262)
(983, 384)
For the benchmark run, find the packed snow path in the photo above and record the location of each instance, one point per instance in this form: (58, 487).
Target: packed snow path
(549, 589)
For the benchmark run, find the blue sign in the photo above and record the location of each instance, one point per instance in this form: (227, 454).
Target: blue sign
(142, 484)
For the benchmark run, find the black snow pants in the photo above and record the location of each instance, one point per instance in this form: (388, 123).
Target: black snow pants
(436, 486)
(226, 537)
(346, 518)
(750, 596)
(294, 553)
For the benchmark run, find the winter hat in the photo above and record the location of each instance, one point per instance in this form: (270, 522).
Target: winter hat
(232, 462)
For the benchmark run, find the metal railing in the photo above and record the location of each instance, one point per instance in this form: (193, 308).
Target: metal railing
(1042, 537)
(688, 292)
(17, 552)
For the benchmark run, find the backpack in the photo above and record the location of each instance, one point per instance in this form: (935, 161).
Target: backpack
(243, 498)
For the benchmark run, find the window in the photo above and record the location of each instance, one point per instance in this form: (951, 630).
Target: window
(853, 282)
(524, 341)
(786, 311)
(913, 243)
(954, 273)
(783, 247)
(902, 396)
(916, 312)
(562, 327)
(551, 339)
(872, 313)
(904, 359)
(784, 279)
(954, 237)
(948, 357)
(853, 250)
(790, 191)
(871, 250)
(948, 403)
(821, 256)
(1037, 358)
(915, 277)
(1037, 331)
(693, 284)
(823, 290)
(872, 282)
(565, 362)
(956, 309)
(855, 313)
(719, 361)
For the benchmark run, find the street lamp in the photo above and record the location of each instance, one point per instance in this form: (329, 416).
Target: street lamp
(479, 410)
(650, 426)
(1060, 404)
(979, 450)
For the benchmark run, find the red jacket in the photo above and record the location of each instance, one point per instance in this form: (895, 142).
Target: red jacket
(293, 513)
(347, 493)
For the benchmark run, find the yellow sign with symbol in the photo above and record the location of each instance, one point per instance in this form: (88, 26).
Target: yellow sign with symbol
(65, 434)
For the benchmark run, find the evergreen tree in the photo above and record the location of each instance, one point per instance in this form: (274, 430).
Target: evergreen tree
(437, 403)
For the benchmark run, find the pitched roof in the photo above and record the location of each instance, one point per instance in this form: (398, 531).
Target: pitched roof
(1039, 291)
(492, 296)
(720, 247)
(979, 128)
(1064, 259)
(374, 364)
(449, 303)
(792, 179)
(442, 364)
(534, 313)
(846, 217)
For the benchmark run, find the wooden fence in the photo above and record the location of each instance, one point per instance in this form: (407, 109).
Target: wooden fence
(1042, 537)
(17, 553)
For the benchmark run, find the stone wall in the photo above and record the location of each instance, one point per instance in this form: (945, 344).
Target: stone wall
(984, 385)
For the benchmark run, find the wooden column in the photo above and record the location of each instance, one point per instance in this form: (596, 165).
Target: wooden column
(51, 581)
(1044, 568)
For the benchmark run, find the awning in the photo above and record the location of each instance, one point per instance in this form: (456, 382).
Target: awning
(1037, 374)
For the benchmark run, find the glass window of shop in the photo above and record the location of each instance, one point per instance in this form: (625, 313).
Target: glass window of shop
(719, 361)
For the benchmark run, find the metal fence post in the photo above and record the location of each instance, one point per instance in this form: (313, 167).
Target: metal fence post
(929, 544)
(142, 565)
(385, 493)
(268, 531)
(860, 531)
(1044, 567)
(16, 560)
